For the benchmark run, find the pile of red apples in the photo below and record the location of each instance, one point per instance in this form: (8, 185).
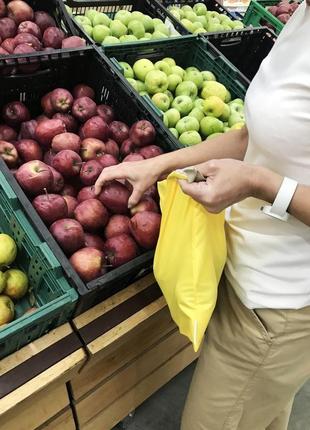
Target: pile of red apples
(24, 31)
(56, 159)
(283, 10)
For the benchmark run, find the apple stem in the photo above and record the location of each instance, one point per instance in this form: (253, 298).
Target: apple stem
(45, 190)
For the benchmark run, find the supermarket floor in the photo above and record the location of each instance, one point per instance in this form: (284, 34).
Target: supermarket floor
(163, 410)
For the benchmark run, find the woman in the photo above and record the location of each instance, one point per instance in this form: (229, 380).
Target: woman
(257, 353)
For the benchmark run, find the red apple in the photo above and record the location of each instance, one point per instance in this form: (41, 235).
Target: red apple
(50, 207)
(84, 108)
(284, 17)
(67, 162)
(8, 153)
(82, 90)
(8, 44)
(95, 127)
(107, 160)
(120, 249)
(58, 181)
(111, 147)
(94, 241)
(61, 100)
(8, 28)
(20, 11)
(49, 157)
(283, 8)
(53, 37)
(145, 228)
(7, 133)
(86, 193)
(117, 224)
(69, 121)
(14, 113)
(142, 133)
(92, 148)
(91, 214)
(127, 148)
(28, 129)
(69, 234)
(46, 104)
(73, 42)
(90, 172)
(31, 28)
(44, 20)
(29, 149)
(48, 129)
(2, 9)
(146, 204)
(119, 131)
(133, 157)
(150, 151)
(294, 6)
(71, 205)
(28, 67)
(34, 176)
(115, 197)
(66, 141)
(89, 263)
(28, 39)
(69, 190)
(273, 10)
(106, 112)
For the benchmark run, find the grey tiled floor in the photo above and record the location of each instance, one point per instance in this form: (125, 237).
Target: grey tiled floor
(163, 410)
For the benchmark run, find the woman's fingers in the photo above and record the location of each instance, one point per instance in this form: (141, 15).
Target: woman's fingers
(109, 174)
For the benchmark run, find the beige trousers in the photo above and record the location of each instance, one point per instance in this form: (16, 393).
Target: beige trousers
(250, 368)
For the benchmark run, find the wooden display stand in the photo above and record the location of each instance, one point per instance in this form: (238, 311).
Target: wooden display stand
(134, 349)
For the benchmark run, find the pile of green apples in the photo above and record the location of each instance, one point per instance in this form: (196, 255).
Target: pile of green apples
(198, 19)
(124, 27)
(193, 103)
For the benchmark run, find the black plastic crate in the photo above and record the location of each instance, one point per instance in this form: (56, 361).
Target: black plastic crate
(92, 69)
(246, 49)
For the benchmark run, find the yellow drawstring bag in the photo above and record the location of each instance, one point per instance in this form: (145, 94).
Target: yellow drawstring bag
(189, 257)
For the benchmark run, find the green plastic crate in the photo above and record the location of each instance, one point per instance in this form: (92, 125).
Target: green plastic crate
(49, 290)
(257, 15)
(187, 51)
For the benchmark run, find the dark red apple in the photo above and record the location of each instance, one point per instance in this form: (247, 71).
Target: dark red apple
(119, 131)
(142, 133)
(29, 149)
(294, 6)
(71, 204)
(92, 148)
(273, 10)
(107, 160)
(145, 228)
(46, 104)
(44, 20)
(133, 157)
(31, 28)
(29, 66)
(67, 162)
(106, 112)
(50, 207)
(69, 190)
(28, 39)
(127, 148)
(14, 113)
(150, 151)
(28, 129)
(34, 176)
(20, 11)
(115, 197)
(91, 214)
(88, 263)
(48, 129)
(84, 108)
(9, 45)
(117, 224)
(111, 147)
(86, 193)
(69, 121)
(284, 17)
(2, 9)
(283, 8)
(58, 181)
(66, 141)
(7, 133)
(61, 100)
(147, 204)
(95, 127)
(73, 42)
(8, 153)
(120, 249)
(69, 234)
(82, 90)
(49, 157)
(94, 241)
(90, 172)
(53, 37)
(8, 28)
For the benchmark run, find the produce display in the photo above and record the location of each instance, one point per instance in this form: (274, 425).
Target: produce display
(124, 27)
(283, 10)
(13, 282)
(57, 157)
(194, 105)
(198, 19)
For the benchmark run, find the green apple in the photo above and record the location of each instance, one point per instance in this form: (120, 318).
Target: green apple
(199, 31)
(159, 35)
(191, 69)
(110, 40)
(136, 28)
(189, 138)
(162, 28)
(3, 275)
(172, 117)
(226, 113)
(144, 93)
(226, 129)
(156, 82)
(212, 14)
(88, 29)
(237, 126)
(186, 88)
(213, 88)
(133, 83)
(200, 9)
(196, 113)
(83, 20)
(101, 18)
(191, 16)
(186, 8)
(195, 77)
(124, 16)
(128, 38)
(157, 21)
(214, 27)
(170, 95)
(147, 36)
(100, 32)
(6, 310)
(211, 136)
(237, 25)
(198, 26)
(142, 67)
(187, 123)
(127, 69)
(213, 106)
(210, 125)
(187, 24)
(173, 81)
(183, 104)
(176, 13)
(208, 76)
(16, 284)
(117, 28)
(203, 20)
(238, 101)
(236, 107)
(228, 97)
(178, 71)
(174, 131)
(235, 117)
(148, 23)
(136, 15)
(8, 250)
(163, 66)
(170, 61)
(90, 14)
(141, 86)
(199, 103)
(162, 101)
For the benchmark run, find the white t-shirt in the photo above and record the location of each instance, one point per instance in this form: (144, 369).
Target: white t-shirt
(268, 259)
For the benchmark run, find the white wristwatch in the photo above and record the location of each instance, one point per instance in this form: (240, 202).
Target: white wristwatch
(283, 199)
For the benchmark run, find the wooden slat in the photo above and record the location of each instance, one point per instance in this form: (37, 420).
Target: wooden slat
(113, 414)
(125, 379)
(63, 421)
(120, 352)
